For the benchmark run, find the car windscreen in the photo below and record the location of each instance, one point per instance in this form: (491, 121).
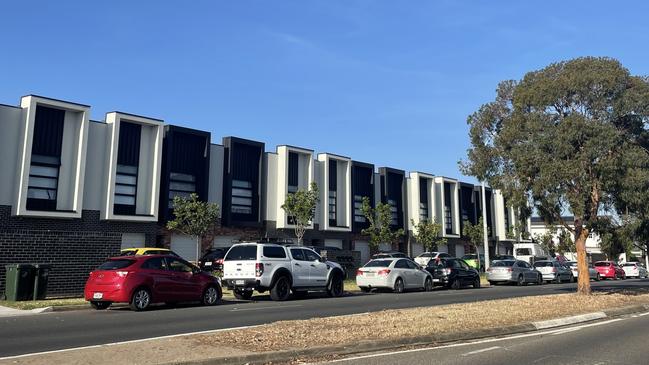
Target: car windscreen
(116, 264)
(544, 264)
(378, 263)
(629, 264)
(600, 264)
(426, 255)
(469, 257)
(507, 263)
(242, 253)
(523, 252)
(214, 255)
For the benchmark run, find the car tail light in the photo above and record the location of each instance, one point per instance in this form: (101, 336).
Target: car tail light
(490, 270)
(384, 272)
(219, 261)
(509, 269)
(554, 269)
(359, 272)
(259, 269)
(121, 274)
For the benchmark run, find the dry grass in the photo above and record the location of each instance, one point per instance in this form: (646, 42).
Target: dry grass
(392, 324)
(32, 304)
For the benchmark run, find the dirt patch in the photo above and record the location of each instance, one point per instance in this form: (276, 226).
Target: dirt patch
(392, 324)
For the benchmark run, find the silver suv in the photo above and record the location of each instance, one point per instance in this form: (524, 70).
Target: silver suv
(280, 270)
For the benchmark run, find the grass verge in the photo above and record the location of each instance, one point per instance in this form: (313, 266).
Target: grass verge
(33, 304)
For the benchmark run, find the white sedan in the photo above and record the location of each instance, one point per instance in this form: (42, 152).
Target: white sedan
(634, 270)
(428, 256)
(594, 275)
(397, 274)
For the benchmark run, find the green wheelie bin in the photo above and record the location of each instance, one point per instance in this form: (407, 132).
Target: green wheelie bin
(19, 283)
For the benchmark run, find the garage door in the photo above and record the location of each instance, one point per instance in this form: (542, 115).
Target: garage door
(185, 246)
(459, 250)
(417, 249)
(385, 247)
(334, 243)
(224, 241)
(130, 240)
(364, 248)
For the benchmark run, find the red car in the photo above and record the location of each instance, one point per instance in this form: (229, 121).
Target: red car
(142, 280)
(609, 270)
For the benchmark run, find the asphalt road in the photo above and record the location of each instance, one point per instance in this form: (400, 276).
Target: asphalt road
(61, 330)
(617, 341)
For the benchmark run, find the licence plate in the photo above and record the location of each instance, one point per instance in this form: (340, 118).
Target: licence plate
(239, 282)
(369, 274)
(97, 295)
(435, 280)
(208, 264)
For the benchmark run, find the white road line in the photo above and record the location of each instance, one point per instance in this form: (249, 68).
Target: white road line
(469, 343)
(262, 308)
(126, 342)
(482, 350)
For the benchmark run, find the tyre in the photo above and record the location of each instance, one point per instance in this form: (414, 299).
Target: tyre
(520, 281)
(616, 277)
(211, 295)
(398, 286)
(99, 305)
(476, 283)
(140, 300)
(242, 294)
(281, 290)
(428, 284)
(557, 279)
(539, 280)
(572, 278)
(598, 277)
(336, 287)
(456, 284)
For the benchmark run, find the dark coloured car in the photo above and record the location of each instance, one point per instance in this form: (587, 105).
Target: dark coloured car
(143, 280)
(453, 273)
(212, 260)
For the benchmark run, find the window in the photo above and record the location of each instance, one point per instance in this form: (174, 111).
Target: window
(507, 263)
(463, 265)
(448, 219)
(156, 263)
(274, 252)
(423, 199)
(126, 188)
(378, 263)
(241, 197)
(523, 252)
(242, 253)
(297, 254)
(401, 264)
(332, 207)
(358, 212)
(333, 191)
(311, 256)
(178, 266)
(128, 158)
(115, 264)
(412, 265)
(394, 212)
(182, 185)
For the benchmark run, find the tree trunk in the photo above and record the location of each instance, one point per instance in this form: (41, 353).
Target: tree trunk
(581, 234)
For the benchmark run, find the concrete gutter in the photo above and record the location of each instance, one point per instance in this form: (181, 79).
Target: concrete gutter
(392, 344)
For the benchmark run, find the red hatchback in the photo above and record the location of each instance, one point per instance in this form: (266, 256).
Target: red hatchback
(142, 280)
(609, 270)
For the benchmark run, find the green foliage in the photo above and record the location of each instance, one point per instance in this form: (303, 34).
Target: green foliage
(300, 206)
(379, 219)
(566, 243)
(569, 137)
(192, 216)
(546, 240)
(428, 234)
(475, 234)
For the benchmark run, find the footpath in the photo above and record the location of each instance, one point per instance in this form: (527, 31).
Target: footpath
(332, 337)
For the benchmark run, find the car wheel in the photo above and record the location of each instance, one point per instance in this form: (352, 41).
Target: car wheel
(539, 280)
(398, 286)
(336, 287)
(99, 305)
(281, 290)
(456, 284)
(364, 289)
(428, 284)
(598, 277)
(616, 277)
(242, 294)
(520, 281)
(572, 278)
(140, 300)
(476, 283)
(211, 295)
(557, 279)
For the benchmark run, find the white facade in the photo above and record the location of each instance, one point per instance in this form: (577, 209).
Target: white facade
(334, 202)
(413, 203)
(440, 209)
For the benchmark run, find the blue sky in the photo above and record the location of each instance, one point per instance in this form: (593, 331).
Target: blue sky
(380, 81)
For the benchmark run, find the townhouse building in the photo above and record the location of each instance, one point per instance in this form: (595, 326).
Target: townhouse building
(75, 191)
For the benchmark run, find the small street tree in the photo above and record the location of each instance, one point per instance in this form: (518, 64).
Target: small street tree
(568, 138)
(475, 235)
(194, 218)
(379, 230)
(427, 233)
(300, 207)
(546, 240)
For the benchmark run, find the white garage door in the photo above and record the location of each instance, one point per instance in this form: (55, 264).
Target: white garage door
(185, 246)
(385, 247)
(334, 243)
(417, 249)
(459, 250)
(130, 240)
(364, 249)
(443, 248)
(224, 241)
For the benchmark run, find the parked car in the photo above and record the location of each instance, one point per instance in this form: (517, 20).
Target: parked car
(609, 270)
(554, 271)
(398, 274)
(389, 254)
(472, 260)
(136, 251)
(530, 252)
(453, 273)
(592, 273)
(634, 270)
(212, 260)
(513, 271)
(143, 280)
(280, 270)
(425, 257)
(501, 257)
